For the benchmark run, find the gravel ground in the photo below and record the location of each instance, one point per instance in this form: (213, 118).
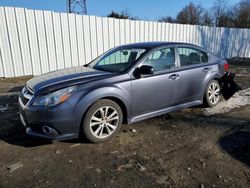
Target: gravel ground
(180, 149)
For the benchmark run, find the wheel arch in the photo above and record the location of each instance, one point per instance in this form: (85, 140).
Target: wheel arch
(205, 89)
(122, 106)
(209, 79)
(111, 93)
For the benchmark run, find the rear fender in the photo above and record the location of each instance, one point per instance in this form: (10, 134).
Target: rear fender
(214, 74)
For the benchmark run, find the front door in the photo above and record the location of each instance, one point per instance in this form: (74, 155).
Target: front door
(157, 91)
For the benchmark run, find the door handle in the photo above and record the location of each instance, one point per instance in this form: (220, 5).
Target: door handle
(205, 70)
(174, 77)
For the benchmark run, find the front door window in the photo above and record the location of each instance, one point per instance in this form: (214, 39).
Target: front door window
(162, 59)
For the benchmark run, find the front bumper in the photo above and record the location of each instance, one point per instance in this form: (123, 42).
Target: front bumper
(61, 120)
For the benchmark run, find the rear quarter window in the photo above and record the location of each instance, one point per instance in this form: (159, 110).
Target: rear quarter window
(204, 57)
(190, 56)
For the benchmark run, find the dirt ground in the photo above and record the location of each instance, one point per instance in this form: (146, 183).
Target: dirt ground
(180, 149)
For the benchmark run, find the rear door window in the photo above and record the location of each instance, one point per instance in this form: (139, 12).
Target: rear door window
(191, 56)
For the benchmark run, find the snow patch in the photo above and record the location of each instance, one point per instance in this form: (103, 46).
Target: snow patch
(239, 99)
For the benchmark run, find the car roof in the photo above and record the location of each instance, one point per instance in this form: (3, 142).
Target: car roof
(157, 44)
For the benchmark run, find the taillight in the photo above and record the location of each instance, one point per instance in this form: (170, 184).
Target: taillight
(226, 67)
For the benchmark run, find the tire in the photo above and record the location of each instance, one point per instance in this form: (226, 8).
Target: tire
(102, 121)
(213, 94)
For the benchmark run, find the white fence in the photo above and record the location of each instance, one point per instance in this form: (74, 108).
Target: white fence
(34, 42)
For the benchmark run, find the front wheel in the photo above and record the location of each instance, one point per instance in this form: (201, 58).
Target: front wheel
(213, 93)
(102, 121)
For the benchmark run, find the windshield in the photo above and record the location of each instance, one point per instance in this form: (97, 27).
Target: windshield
(118, 60)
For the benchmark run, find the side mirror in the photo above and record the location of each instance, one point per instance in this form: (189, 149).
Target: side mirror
(144, 70)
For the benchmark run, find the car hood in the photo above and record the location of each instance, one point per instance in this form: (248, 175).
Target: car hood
(66, 77)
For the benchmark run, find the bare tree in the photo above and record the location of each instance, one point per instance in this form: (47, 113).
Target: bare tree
(231, 16)
(190, 14)
(122, 15)
(207, 19)
(220, 11)
(168, 19)
(220, 15)
(242, 12)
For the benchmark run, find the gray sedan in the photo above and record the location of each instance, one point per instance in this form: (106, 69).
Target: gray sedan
(127, 84)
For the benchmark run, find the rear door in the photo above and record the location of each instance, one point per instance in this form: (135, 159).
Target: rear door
(194, 68)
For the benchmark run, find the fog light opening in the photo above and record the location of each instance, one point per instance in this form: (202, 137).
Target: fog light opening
(47, 130)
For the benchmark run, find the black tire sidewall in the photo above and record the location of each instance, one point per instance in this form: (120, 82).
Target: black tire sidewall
(98, 104)
(209, 104)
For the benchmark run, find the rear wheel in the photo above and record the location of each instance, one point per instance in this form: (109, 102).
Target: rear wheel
(102, 121)
(213, 93)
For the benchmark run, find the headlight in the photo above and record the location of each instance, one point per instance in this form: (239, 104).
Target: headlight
(54, 98)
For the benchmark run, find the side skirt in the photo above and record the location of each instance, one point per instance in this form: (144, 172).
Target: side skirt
(163, 111)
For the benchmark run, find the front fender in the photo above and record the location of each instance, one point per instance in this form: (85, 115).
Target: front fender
(104, 92)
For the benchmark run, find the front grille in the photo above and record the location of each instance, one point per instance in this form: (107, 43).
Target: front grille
(26, 95)
(24, 100)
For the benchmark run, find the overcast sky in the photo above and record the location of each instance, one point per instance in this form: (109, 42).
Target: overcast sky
(143, 9)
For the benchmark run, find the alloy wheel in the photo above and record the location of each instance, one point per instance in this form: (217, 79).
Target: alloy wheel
(214, 93)
(104, 122)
